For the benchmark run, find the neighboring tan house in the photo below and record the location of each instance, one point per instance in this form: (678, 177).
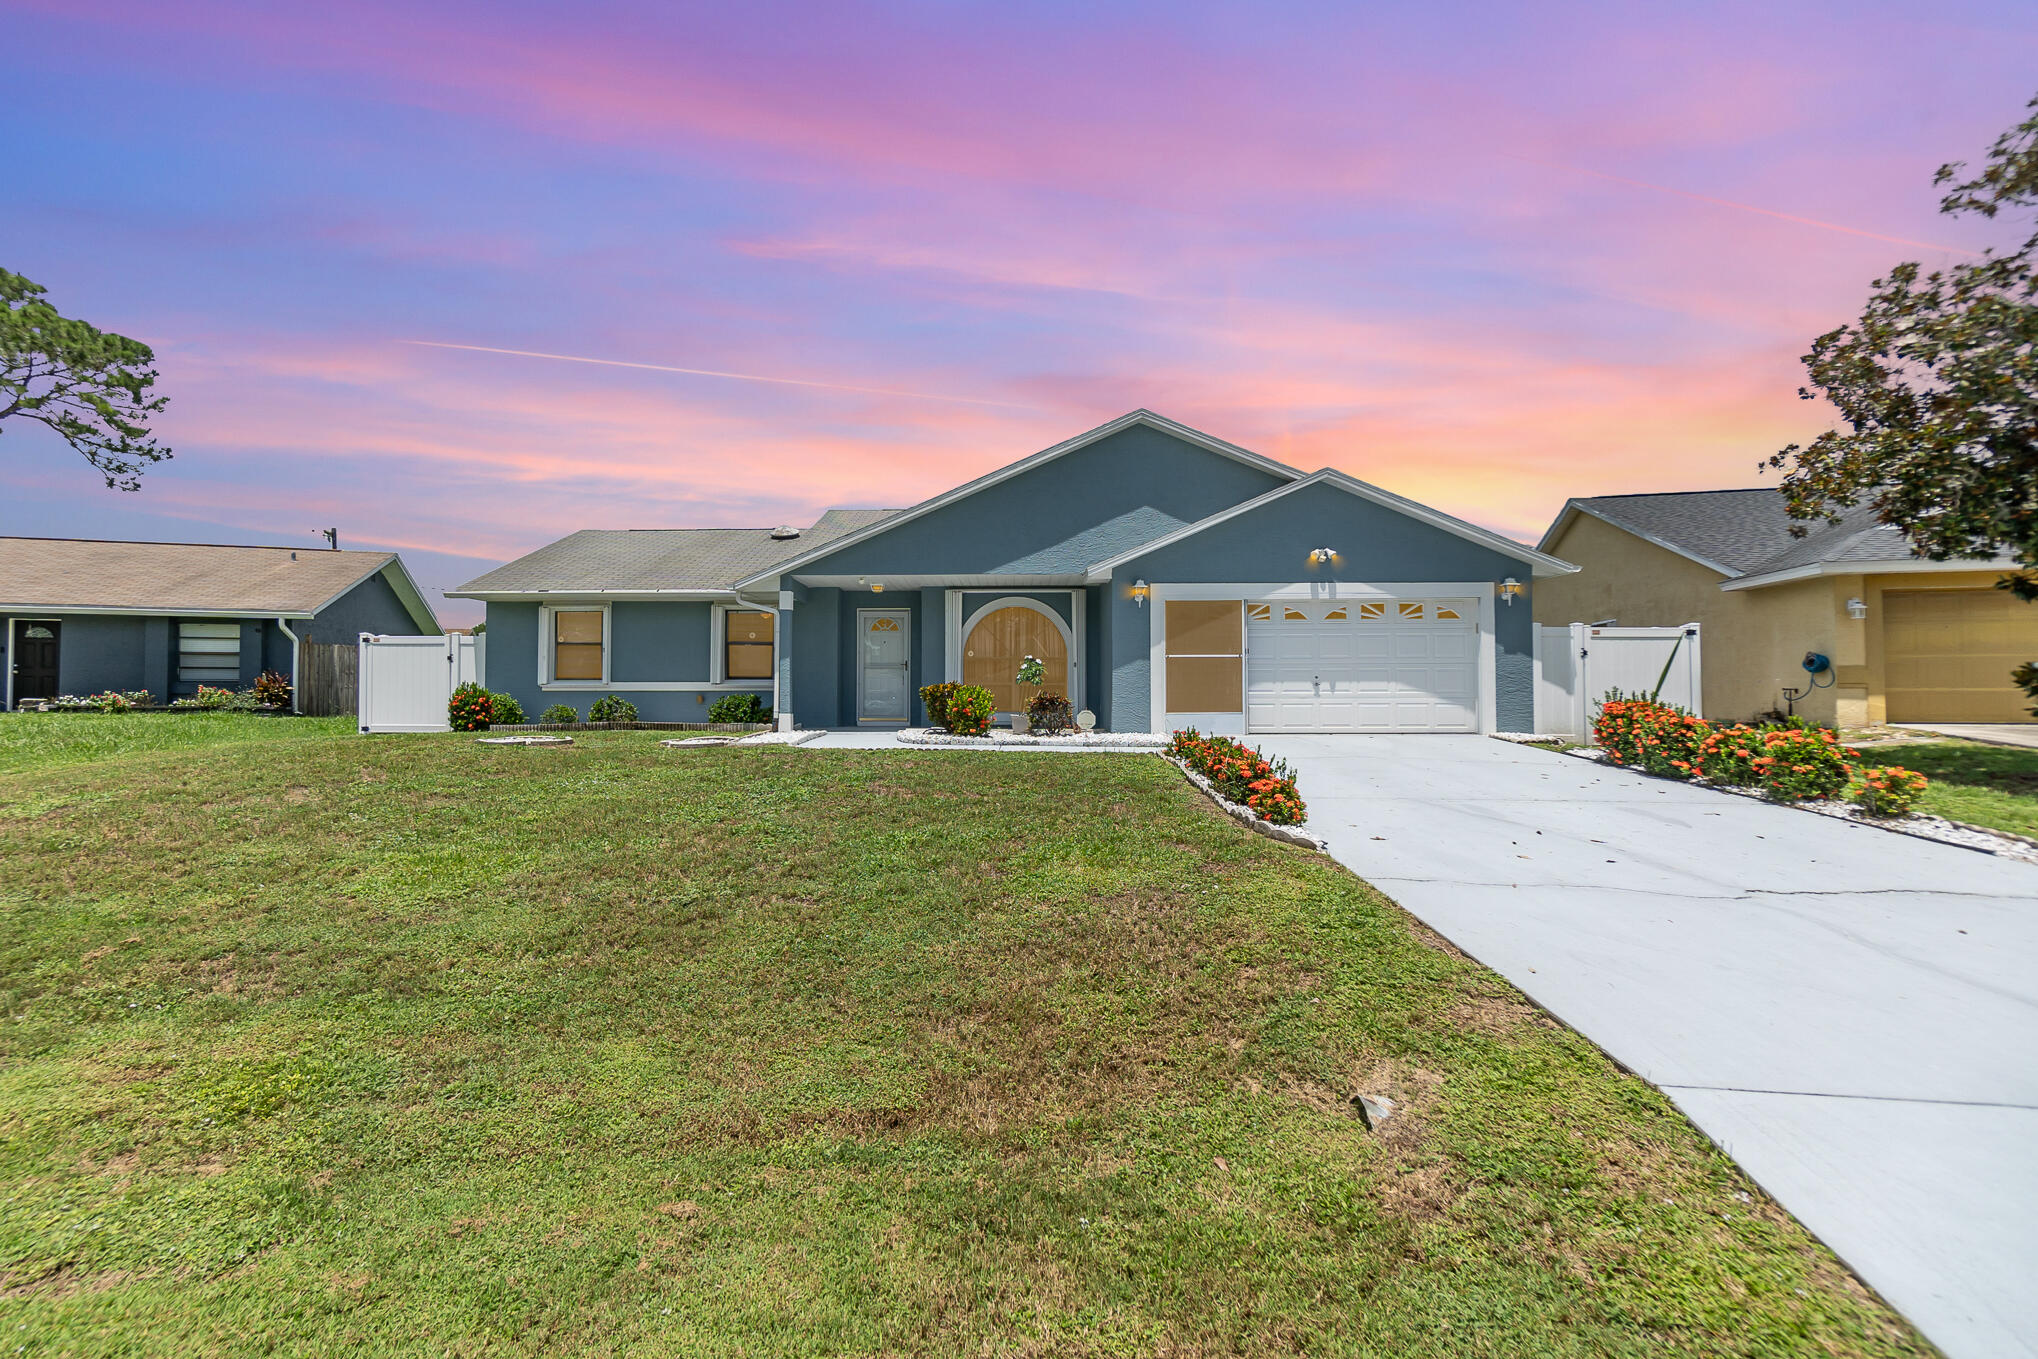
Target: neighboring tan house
(1909, 640)
(1165, 577)
(83, 616)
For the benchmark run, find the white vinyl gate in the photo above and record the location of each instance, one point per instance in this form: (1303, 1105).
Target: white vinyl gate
(1577, 666)
(406, 682)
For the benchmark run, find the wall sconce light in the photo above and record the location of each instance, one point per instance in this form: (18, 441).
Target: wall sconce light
(1322, 556)
(1510, 590)
(1857, 609)
(1140, 591)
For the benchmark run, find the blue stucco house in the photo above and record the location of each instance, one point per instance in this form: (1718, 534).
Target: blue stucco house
(82, 616)
(1166, 577)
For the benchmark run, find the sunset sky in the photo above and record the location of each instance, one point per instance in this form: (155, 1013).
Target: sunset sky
(1488, 256)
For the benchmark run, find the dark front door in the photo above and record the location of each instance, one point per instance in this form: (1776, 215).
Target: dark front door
(35, 659)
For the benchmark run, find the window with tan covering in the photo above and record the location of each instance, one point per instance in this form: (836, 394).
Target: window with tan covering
(747, 646)
(1206, 656)
(577, 644)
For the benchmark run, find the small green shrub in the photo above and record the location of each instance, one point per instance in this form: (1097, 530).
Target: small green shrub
(1888, 790)
(970, 709)
(740, 708)
(560, 714)
(935, 698)
(612, 708)
(471, 708)
(505, 711)
(1032, 670)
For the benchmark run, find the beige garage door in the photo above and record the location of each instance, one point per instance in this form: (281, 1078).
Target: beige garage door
(1947, 654)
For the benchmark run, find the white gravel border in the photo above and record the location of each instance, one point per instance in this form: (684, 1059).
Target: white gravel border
(1293, 835)
(524, 740)
(1094, 740)
(1918, 824)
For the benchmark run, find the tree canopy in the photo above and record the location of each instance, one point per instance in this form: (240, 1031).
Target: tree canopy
(1937, 384)
(90, 386)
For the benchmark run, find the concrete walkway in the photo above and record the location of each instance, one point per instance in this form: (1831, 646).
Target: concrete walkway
(1851, 1014)
(1991, 733)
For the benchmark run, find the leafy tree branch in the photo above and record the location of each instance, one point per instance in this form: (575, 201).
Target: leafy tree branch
(1937, 384)
(90, 386)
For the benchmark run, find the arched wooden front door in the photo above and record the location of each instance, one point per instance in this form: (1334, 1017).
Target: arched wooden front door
(1000, 640)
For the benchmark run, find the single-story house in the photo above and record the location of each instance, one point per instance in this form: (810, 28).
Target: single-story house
(1167, 578)
(1907, 639)
(82, 616)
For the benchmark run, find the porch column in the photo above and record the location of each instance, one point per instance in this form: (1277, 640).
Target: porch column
(782, 667)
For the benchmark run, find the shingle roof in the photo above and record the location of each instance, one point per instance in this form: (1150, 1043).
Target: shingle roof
(1746, 532)
(84, 573)
(661, 559)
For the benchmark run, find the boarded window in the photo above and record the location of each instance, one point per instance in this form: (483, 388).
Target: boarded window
(577, 644)
(209, 653)
(747, 653)
(1205, 641)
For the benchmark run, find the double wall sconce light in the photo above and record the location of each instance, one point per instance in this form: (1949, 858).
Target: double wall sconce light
(1322, 556)
(1140, 590)
(1510, 590)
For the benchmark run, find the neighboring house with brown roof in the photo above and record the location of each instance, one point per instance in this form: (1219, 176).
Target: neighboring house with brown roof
(83, 616)
(1909, 639)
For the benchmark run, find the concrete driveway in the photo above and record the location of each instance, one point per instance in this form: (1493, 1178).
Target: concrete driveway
(1851, 1014)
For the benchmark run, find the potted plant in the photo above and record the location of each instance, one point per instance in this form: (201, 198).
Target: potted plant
(1032, 671)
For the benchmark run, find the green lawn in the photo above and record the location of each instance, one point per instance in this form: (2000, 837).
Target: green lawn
(387, 1044)
(1985, 785)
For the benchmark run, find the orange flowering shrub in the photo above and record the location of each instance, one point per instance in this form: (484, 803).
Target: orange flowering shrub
(1888, 790)
(969, 710)
(1789, 761)
(1243, 775)
(1653, 737)
(471, 708)
(1726, 755)
(1797, 763)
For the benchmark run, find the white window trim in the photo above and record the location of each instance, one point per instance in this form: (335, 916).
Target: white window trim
(718, 646)
(1271, 593)
(547, 632)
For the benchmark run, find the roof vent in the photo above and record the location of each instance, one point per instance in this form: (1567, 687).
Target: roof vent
(784, 531)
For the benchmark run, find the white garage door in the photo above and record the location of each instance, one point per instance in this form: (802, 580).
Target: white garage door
(1341, 665)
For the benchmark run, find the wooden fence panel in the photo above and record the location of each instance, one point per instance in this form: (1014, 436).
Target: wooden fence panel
(328, 680)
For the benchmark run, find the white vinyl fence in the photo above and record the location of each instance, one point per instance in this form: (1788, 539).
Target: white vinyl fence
(1577, 666)
(406, 682)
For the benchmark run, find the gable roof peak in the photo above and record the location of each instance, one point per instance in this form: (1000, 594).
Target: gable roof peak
(1140, 416)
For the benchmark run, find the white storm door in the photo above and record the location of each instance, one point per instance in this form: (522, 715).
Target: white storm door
(884, 647)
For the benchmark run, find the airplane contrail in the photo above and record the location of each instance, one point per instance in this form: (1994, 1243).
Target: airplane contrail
(1750, 207)
(716, 373)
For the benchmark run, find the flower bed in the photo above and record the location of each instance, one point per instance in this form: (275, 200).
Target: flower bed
(1784, 761)
(1243, 775)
